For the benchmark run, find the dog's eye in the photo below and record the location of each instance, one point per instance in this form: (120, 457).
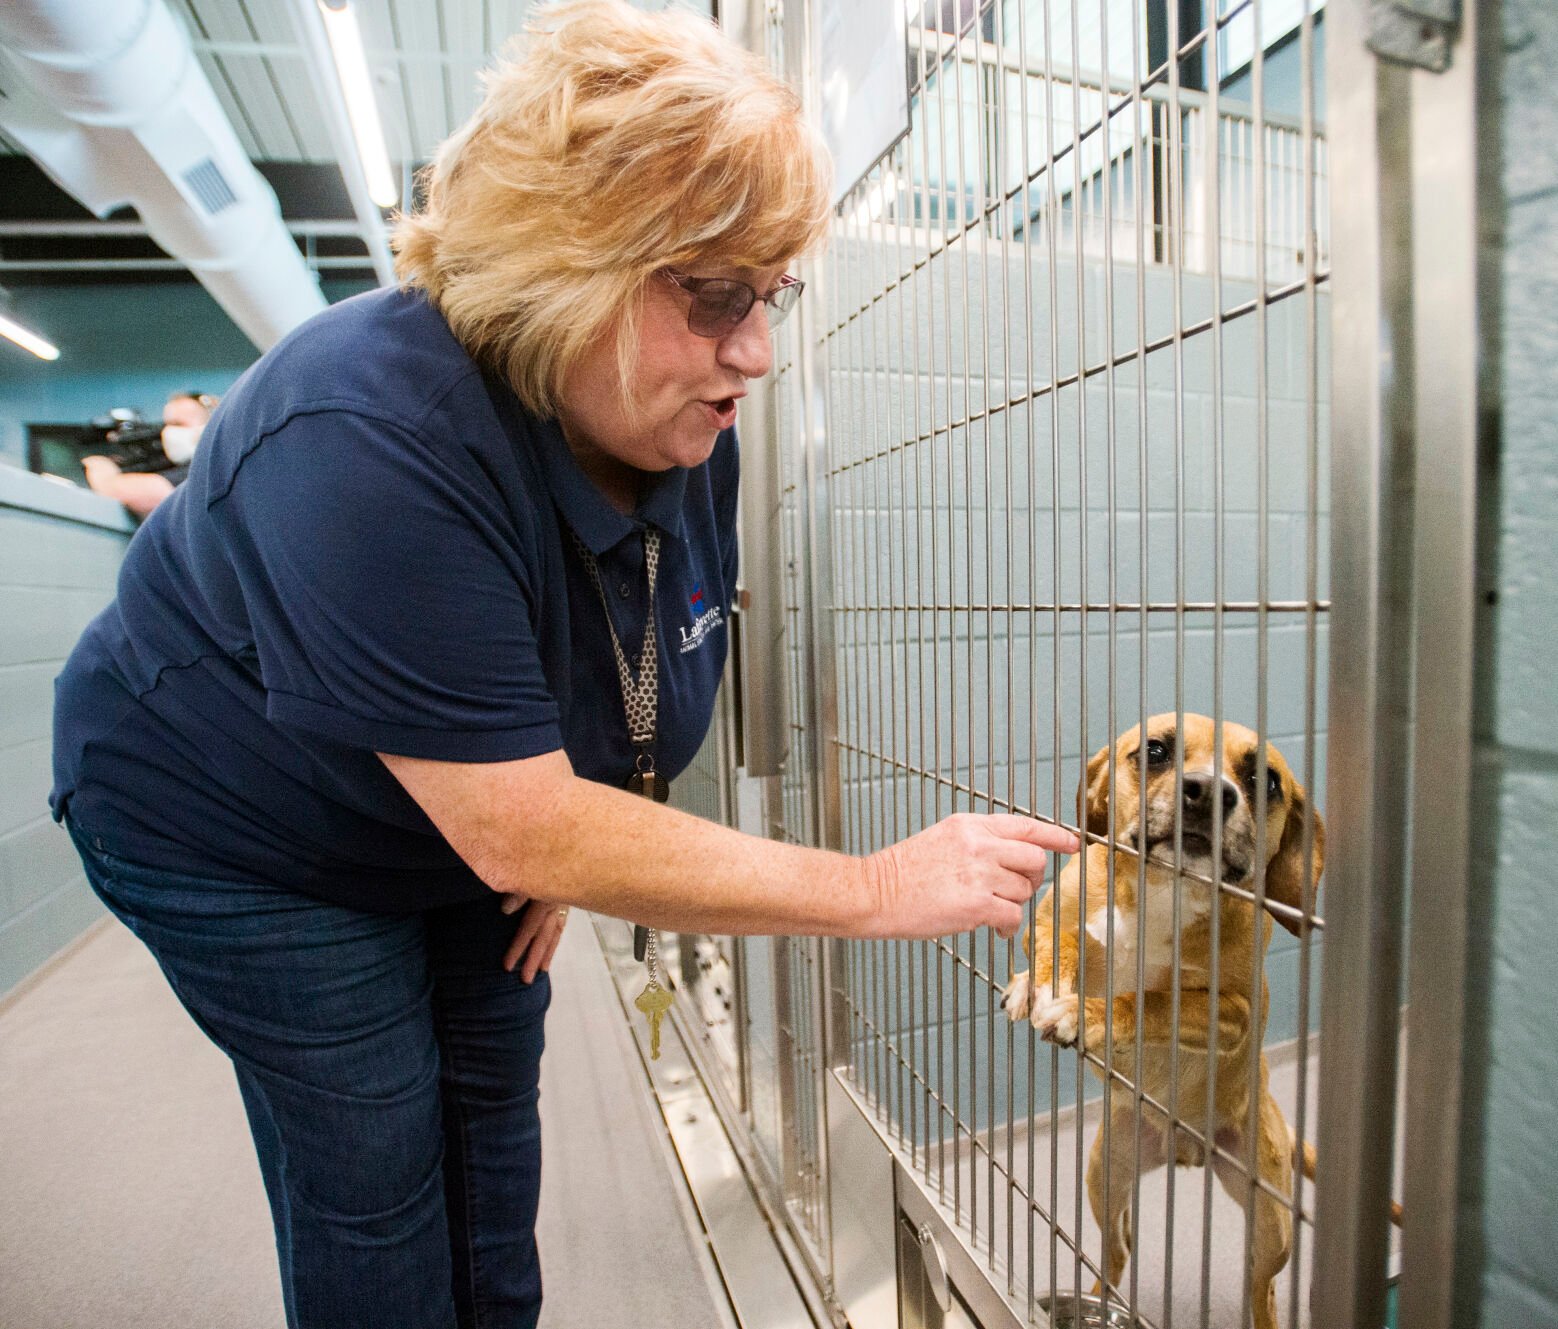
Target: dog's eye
(1157, 751)
(1273, 784)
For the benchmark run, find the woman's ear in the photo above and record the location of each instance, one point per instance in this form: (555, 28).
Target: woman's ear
(1093, 794)
(1289, 880)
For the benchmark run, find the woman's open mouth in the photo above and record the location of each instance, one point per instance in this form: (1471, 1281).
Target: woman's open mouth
(722, 413)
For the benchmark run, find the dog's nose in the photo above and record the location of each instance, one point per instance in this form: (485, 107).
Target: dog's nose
(1198, 794)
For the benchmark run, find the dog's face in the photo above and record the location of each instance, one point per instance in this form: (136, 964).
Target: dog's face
(1167, 805)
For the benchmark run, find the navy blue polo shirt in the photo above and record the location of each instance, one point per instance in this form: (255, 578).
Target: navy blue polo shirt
(371, 554)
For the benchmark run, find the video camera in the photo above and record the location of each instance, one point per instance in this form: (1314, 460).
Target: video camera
(126, 437)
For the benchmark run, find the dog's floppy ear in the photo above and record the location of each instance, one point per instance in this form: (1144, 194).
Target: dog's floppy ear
(1093, 794)
(1286, 875)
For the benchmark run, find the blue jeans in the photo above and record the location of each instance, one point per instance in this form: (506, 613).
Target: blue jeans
(390, 1070)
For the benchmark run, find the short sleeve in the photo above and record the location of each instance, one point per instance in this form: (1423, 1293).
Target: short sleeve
(391, 590)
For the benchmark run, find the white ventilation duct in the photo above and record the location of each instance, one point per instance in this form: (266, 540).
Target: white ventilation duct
(120, 112)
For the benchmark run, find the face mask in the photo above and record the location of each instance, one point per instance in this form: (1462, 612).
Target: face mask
(178, 441)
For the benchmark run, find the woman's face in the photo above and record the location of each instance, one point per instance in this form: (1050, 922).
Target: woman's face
(685, 386)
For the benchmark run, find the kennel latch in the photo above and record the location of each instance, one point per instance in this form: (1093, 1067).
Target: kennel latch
(1415, 32)
(937, 1283)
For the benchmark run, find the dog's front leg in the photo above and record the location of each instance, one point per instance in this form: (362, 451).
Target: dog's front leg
(1054, 966)
(1047, 977)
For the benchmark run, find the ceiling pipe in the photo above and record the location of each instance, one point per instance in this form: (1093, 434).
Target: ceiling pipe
(114, 106)
(326, 81)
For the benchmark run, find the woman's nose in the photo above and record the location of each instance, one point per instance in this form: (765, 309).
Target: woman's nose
(748, 348)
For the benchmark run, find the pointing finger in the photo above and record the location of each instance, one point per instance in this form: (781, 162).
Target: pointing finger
(1044, 834)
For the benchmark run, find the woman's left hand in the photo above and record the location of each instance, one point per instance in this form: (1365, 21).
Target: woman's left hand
(540, 929)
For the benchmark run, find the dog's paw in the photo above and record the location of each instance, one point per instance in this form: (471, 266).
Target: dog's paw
(1043, 999)
(1058, 1020)
(1018, 999)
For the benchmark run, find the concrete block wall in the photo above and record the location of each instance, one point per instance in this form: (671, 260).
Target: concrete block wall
(1509, 1156)
(60, 551)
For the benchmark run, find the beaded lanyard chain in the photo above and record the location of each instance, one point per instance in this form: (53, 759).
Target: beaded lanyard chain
(641, 703)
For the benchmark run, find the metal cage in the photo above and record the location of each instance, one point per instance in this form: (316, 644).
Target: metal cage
(1053, 442)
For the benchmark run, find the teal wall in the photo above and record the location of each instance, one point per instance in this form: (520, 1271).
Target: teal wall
(1510, 1158)
(120, 345)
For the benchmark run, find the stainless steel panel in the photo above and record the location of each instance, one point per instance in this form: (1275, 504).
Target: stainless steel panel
(765, 734)
(1372, 464)
(864, 1273)
(1457, 183)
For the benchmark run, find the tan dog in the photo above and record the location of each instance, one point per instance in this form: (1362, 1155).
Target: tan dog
(1048, 994)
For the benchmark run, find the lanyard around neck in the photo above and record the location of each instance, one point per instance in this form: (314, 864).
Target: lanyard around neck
(640, 696)
(640, 701)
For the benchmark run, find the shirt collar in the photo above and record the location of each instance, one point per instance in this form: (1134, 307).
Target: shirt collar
(586, 509)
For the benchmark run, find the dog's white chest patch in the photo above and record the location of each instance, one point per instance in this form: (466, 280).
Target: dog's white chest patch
(1124, 928)
(1160, 935)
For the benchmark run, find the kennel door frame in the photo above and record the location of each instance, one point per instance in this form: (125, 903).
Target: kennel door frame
(1370, 683)
(1414, 255)
(1457, 283)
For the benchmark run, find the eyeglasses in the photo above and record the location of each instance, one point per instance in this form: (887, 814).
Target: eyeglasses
(719, 306)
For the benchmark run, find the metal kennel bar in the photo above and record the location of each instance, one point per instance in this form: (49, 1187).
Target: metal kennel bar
(1054, 441)
(918, 426)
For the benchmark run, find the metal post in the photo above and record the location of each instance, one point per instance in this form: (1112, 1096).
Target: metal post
(1456, 183)
(1370, 686)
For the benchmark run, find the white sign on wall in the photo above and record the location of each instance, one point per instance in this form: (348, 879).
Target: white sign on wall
(862, 61)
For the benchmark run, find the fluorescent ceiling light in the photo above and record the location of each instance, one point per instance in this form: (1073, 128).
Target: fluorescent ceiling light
(352, 66)
(28, 341)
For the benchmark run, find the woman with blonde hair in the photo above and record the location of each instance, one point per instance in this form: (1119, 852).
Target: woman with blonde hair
(454, 566)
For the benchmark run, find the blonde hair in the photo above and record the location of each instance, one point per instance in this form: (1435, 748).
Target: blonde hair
(610, 144)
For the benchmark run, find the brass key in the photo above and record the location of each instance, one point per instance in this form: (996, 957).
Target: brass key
(654, 1001)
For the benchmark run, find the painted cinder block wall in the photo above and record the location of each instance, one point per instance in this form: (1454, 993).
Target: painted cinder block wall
(60, 551)
(1510, 1145)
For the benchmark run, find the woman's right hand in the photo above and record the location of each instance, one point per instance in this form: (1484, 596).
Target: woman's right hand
(968, 871)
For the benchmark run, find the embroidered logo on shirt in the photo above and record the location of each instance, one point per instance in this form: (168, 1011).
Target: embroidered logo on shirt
(704, 621)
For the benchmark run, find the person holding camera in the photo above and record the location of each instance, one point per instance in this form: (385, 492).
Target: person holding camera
(183, 418)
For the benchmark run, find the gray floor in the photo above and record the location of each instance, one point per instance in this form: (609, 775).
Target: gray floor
(129, 1194)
